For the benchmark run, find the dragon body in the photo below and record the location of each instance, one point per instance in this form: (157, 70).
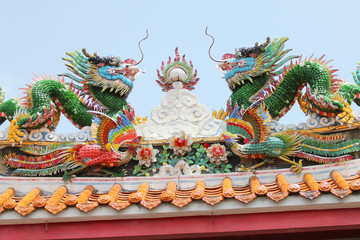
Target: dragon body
(101, 84)
(258, 73)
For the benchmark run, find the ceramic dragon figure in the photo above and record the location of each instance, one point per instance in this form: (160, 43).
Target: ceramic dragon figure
(258, 73)
(103, 84)
(110, 134)
(252, 126)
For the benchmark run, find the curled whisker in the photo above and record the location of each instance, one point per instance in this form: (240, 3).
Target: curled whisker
(213, 41)
(142, 54)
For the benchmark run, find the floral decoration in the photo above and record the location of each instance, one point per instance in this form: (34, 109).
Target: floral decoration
(146, 155)
(180, 143)
(217, 154)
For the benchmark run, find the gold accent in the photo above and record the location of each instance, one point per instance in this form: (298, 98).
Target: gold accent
(138, 120)
(14, 134)
(347, 115)
(304, 106)
(221, 114)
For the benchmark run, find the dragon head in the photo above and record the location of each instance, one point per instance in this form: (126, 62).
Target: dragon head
(109, 73)
(248, 63)
(105, 72)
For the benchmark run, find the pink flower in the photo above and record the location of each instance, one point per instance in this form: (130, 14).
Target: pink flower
(146, 155)
(217, 153)
(180, 143)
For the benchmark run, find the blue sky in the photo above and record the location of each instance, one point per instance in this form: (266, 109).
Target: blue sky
(37, 34)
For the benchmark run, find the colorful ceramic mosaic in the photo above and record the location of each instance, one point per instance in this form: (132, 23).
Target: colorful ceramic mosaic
(259, 73)
(182, 137)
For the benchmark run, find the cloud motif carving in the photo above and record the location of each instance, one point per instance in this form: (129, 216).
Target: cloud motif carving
(179, 110)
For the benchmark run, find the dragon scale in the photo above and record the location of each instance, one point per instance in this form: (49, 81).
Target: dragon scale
(104, 84)
(258, 73)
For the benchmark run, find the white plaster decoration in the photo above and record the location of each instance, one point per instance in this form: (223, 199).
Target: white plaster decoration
(181, 168)
(179, 110)
(83, 135)
(4, 134)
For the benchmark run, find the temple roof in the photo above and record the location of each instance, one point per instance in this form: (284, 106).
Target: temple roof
(26, 195)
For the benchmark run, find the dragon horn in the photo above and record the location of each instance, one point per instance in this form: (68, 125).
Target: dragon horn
(142, 54)
(88, 54)
(263, 46)
(213, 41)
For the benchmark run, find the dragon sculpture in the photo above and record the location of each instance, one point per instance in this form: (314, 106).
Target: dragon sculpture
(253, 127)
(258, 73)
(111, 134)
(103, 85)
(258, 97)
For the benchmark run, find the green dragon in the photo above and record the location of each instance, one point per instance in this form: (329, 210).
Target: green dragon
(258, 73)
(103, 85)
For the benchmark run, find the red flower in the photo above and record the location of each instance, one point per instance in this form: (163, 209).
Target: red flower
(179, 142)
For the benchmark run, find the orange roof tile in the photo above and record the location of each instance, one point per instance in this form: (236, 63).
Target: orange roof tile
(118, 199)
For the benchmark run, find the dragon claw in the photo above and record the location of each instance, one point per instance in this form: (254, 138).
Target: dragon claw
(221, 114)
(347, 115)
(14, 134)
(138, 120)
(304, 106)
